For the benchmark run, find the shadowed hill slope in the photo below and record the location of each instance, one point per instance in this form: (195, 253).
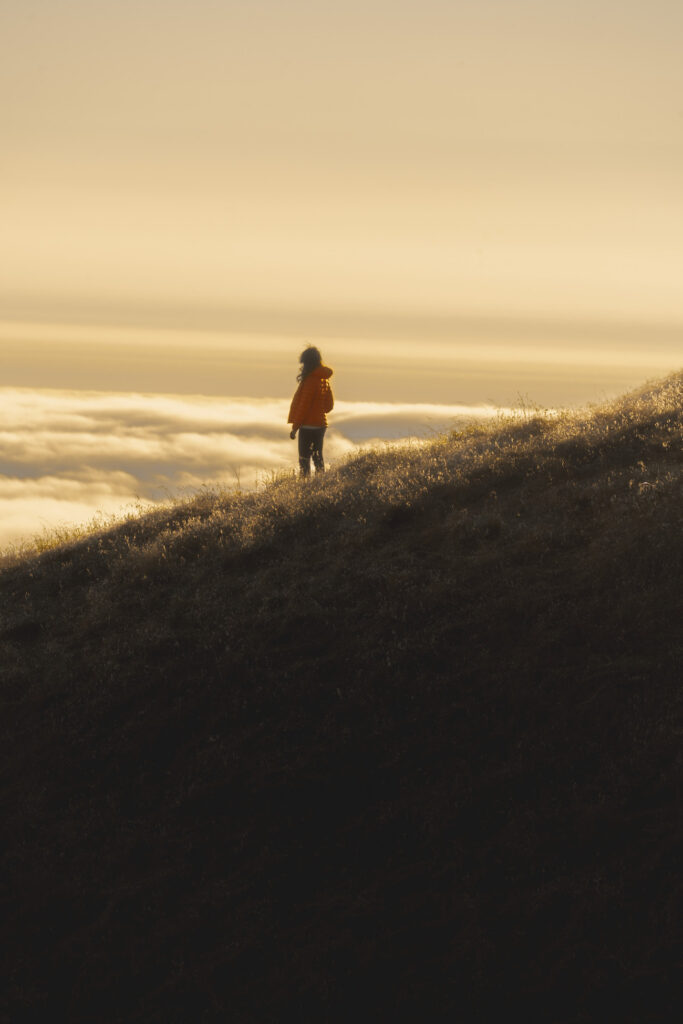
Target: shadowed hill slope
(400, 743)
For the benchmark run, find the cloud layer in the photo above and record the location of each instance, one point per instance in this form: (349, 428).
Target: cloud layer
(67, 455)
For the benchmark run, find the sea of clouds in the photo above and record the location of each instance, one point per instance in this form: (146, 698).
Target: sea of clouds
(67, 456)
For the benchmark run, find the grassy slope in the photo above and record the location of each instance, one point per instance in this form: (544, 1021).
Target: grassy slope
(400, 742)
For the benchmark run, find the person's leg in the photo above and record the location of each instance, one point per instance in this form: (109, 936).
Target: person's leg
(305, 451)
(317, 450)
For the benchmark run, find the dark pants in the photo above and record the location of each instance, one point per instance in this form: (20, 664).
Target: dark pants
(311, 446)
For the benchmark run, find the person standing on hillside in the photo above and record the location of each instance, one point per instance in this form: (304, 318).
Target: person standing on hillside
(312, 401)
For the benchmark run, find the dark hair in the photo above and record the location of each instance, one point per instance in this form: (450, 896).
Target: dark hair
(310, 359)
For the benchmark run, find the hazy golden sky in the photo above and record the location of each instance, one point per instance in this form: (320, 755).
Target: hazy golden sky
(506, 158)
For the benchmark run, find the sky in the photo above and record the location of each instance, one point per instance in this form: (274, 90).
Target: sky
(460, 202)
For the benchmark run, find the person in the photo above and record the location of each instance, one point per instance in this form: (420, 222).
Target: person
(312, 401)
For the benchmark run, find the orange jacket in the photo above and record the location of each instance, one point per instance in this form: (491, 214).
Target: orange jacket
(312, 398)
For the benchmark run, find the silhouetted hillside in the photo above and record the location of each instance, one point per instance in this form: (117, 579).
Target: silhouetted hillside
(403, 743)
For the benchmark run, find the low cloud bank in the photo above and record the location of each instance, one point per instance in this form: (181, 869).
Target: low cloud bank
(67, 455)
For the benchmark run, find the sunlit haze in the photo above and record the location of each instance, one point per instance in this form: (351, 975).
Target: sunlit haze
(460, 202)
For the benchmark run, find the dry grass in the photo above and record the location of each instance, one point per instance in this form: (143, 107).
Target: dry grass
(412, 727)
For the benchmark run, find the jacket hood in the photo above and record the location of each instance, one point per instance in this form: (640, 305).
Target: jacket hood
(322, 371)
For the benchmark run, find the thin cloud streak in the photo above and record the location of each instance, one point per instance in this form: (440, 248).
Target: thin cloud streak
(443, 360)
(67, 455)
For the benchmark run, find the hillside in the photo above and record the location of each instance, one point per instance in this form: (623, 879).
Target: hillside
(403, 743)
